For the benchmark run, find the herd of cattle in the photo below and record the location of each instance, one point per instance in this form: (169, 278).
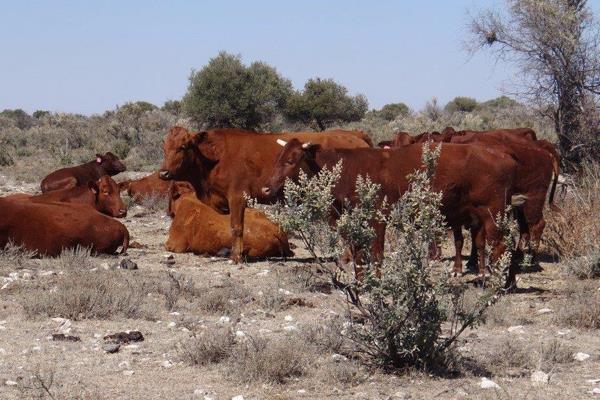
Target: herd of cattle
(207, 176)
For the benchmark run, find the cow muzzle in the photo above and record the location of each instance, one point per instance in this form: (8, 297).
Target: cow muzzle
(266, 191)
(122, 213)
(165, 174)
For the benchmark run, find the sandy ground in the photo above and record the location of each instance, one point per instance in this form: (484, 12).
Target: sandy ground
(153, 369)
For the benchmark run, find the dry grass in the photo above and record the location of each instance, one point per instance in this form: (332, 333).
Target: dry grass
(506, 313)
(88, 295)
(211, 346)
(575, 230)
(345, 373)
(581, 307)
(269, 360)
(77, 259)
(327, 338)
(15, 257)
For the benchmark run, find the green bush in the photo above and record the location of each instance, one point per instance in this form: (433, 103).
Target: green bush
(226, 93)
(324, 103)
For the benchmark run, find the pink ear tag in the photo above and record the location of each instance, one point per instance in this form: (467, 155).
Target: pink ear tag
(99, 160)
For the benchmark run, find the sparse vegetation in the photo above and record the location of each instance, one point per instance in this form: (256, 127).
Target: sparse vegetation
(88, 295)
(210, 346)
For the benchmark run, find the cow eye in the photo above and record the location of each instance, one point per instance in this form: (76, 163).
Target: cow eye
(289, 162)
(183, 147)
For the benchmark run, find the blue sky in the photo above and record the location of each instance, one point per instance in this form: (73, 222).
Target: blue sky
(89, 56)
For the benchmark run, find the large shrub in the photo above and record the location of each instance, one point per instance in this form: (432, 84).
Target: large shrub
(226, 93)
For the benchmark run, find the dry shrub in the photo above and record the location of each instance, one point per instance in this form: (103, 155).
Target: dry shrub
(581, 308)
(88, 295)
(78, 258)
(506, 313)
(13, 257)
(224, 298)
(327, 338)
(211, 346)
(574, 232)
(544, 356)
(346, 373)
(269, 361)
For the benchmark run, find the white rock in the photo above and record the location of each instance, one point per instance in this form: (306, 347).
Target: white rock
(172, 324)
(238, 397)
(128, 372)
(563, 333)
(595, 391)
(166, 364)
(124, 365)
(10, 383)
(290, 328)
(27, 275)
(14, 276)
(540, 377)
(224, 319)
(544, 311)
(184, 329)
(36, 348)
(593, 380)
(2, 351)
(516, 329)
(2, 328)
(301, 391)
(581, 356)
(488, 384)
(264, 272)
(289, 318)
(240, 334)
(338, 357)
(175, 313)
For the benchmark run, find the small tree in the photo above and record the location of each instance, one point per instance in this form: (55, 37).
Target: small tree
(391, 111)
(172, 107)
(21, 118)
(226, 93)
(556, 44)
(323, 103)
(461, 104)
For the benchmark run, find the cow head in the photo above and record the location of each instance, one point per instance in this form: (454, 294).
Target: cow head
(180, 151)
(110, 163)
(294, 157)
(402, 139)
(108, 197)
(177, 191)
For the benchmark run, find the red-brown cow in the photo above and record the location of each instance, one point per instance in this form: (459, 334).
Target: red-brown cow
(147, 187)
(476, 183)
(225, 164)
(103, 195)
(49, 228)
(80, 175)
(200, 229)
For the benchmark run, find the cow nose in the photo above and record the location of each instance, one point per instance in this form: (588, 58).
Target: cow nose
(122, 213)
(164, 174)
(266, 191)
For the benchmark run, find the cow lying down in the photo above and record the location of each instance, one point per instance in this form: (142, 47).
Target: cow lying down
(103, 195)
(198, 228)
(48, 228)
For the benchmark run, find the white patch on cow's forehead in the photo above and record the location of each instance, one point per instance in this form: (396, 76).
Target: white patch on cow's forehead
(281, 142)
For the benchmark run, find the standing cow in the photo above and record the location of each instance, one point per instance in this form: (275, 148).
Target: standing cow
(225, 164)
(476, 184)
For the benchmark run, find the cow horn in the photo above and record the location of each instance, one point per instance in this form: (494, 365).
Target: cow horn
(281, 142)
(306, 145)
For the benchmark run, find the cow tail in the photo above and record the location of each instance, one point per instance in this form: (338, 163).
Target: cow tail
(556, 171)
(125, 241)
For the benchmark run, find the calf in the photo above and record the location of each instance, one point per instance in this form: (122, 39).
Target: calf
(49, 228)
(80, 175)
(146, 187)
(199, 229)
(476, 184)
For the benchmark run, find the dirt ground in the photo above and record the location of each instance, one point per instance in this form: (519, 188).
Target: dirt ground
(524, 333)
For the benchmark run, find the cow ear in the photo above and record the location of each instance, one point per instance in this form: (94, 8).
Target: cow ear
(93, 186)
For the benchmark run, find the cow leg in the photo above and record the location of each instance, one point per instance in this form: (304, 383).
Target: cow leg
(479, 239)
(237, 206)
(378, 246)
(457, 270)
(472, 261)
